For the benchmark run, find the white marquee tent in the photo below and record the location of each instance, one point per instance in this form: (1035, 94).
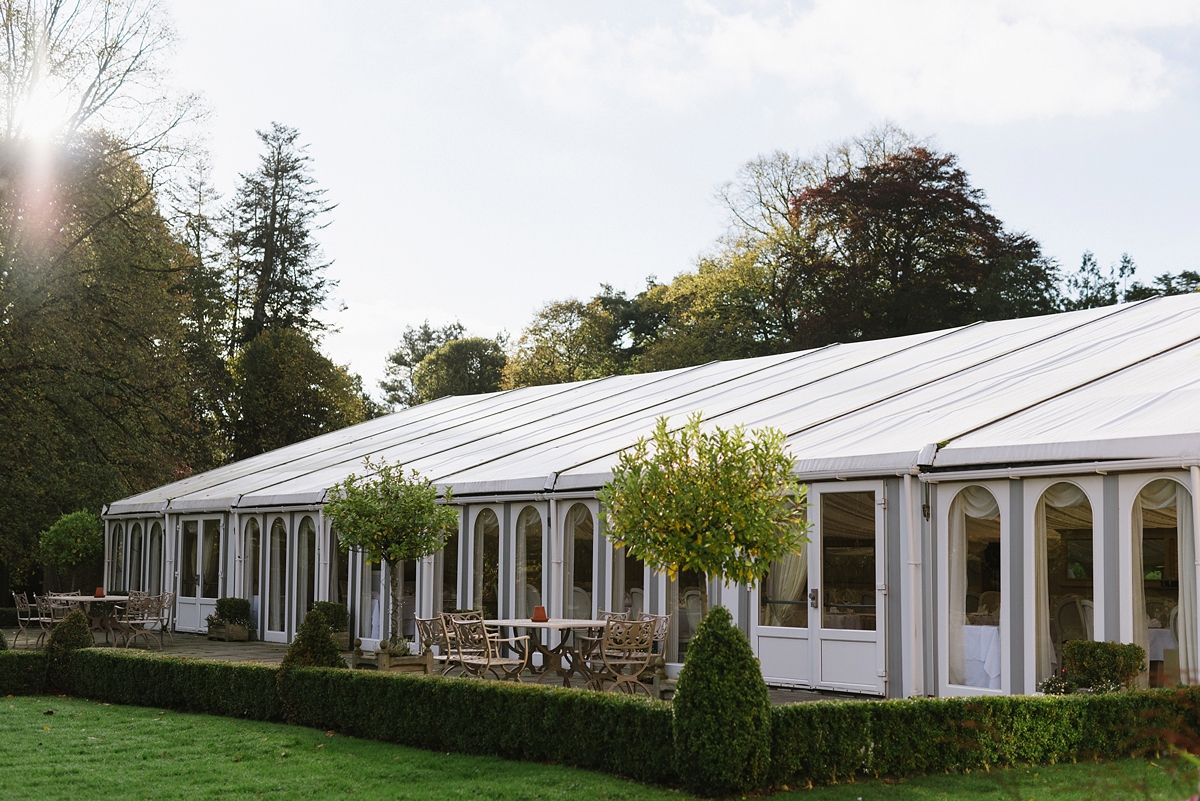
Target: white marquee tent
(974, 497)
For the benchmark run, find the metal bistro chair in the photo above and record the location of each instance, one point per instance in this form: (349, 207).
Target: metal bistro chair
(480, 653)
(621, 656)
(143, 617)
(27, 618)
(594, 635)
(432, 632)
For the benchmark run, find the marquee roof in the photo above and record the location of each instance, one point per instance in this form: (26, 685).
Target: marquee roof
(1117, 383)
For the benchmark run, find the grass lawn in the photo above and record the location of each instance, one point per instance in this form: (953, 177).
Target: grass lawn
(89, 750)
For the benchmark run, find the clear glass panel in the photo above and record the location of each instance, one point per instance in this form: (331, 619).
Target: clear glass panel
(580, 539)
(487, 563)
(135, 556)
(371, 623)
(1158, 504)
(629, 583)
(445, 568)
(686, 601)
(848, 560)
(251, 561)
(154, 573)
(408, 598)
(211, 568)
(189, 577)
(973, 545)
(117, 573)
(277, 577)
(339, 571)
(783, 594)
(1069, 566)
(529, 561)
(306, 584)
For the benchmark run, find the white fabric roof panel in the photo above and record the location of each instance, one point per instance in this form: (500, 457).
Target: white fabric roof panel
(1119, 382)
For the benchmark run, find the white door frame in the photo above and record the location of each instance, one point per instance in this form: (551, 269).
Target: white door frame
(268, 634)
(843, 659)
(191, 611)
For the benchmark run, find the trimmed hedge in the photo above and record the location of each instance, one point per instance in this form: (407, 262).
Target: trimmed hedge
(1103, 665)
(8, 617)
(230, 689)
(22, 672)
(828, 742)
(619, 734)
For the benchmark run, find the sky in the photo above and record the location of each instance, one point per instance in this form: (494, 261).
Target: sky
(487, 158)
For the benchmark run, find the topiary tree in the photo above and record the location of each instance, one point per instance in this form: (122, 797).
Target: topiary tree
(392, 517)
(720, 502)
(3, 642)
(75, 540)
(337, 615)
(313, 645)
(722, 722)
(71, 634)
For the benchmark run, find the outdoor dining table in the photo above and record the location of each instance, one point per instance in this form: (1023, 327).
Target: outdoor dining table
(563, 659)
(104, 618)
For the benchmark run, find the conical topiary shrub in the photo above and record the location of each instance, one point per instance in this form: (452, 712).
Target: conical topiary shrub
(314, 645)
(67, 637)
(722, 712)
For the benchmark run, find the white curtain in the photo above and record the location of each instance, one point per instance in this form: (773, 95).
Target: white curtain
(1060, 496)
(974, 502)
(1159, 494)
(788, 581)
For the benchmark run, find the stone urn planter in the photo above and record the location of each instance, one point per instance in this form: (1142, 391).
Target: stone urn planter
(229, 632)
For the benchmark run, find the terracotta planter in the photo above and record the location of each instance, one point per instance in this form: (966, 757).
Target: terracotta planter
(229, 632)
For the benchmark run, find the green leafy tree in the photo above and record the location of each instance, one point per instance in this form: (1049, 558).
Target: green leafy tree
(392, 517)
(460, 367)
(287, 391)
(567, 340)
(75, 540)
(720, 502)
(416, 343)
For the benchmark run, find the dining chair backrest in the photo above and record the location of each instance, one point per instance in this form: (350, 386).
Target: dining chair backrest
(21, 602)
(989, 601)
(1173, 624)
(662, 625)
(630, 636)
(636, 602)
(1089, 617)
(602, 615)
(432, 631)
(581, 604)
(470, 636)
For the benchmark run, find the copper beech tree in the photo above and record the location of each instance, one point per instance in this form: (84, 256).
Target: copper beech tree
(720, 502)
(393, 517)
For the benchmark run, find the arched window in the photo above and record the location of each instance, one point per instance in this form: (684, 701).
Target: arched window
(529, 561)
(251, 563)
(580, 532)
(277, 578)
(973, 540)
(116, 580)
(1164, 581)
(135, 556)
(1063, 581)
(487, 563)
(154, 573)
(306, 573)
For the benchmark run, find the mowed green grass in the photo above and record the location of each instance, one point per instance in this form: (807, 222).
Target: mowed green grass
(89, 750)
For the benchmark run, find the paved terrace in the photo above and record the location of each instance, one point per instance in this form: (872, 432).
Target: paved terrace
(196, 646)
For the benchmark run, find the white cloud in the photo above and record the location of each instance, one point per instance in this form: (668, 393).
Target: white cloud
(982, 62)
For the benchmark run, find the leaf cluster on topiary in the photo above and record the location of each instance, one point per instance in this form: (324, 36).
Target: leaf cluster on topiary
(234, 610)
(3, 642)
(313, 645)
(68, 636)
(1103, 666)
(336, 614)
(722, 726)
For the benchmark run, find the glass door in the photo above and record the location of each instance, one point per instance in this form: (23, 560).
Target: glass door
(199, 572)
(277, 582)
(847, 589)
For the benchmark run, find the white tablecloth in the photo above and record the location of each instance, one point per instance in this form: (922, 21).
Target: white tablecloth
(1160, 640)
(981, 647)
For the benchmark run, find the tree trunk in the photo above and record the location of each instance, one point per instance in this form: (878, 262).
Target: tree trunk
(394, 582)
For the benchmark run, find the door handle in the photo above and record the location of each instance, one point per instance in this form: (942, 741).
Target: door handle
(812, 599)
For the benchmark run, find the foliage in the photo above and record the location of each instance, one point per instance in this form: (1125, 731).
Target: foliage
(1091, 287)
(1103, 666)
(718, 502)
(566, 341)
(276, 209)
(234, 610)
(416, 343)
(287, 391)
(392, 517)
(68, 636)
(74, 539)
(313, 645)
(722, 726)
(468, 366)
(335, 614)
(829, 742)
(22, 672)
(3, 642)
